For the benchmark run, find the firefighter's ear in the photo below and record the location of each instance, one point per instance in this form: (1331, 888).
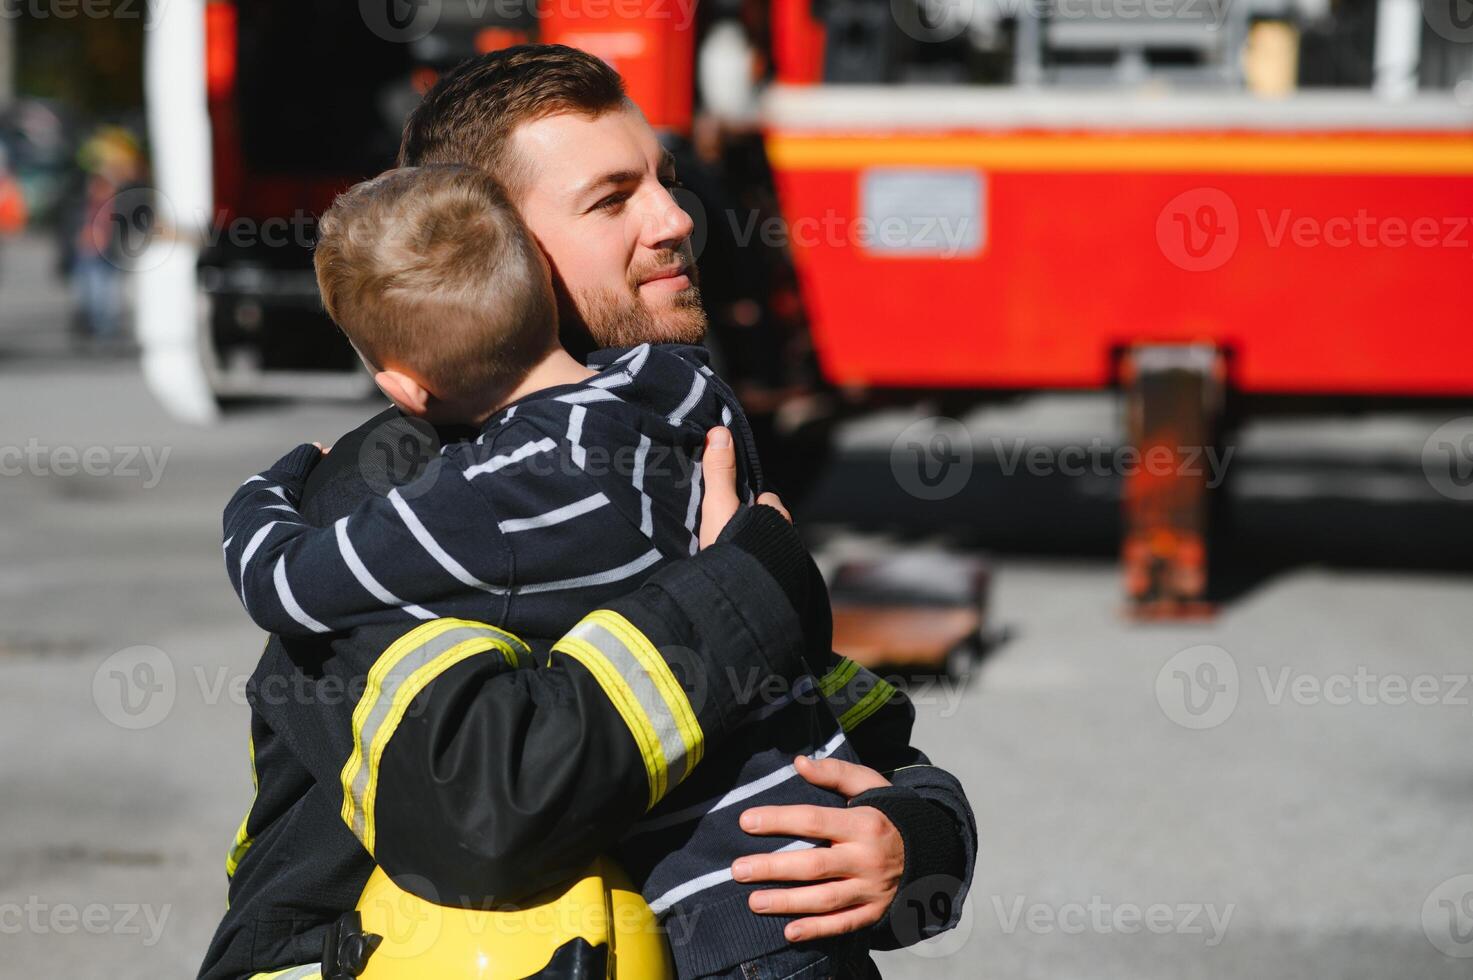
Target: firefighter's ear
(411, 397)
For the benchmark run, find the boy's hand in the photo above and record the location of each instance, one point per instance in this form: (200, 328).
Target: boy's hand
(856, 877)
(718, 475)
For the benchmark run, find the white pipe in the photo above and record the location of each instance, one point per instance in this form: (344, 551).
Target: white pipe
(168, 310)
(724, 73)
(1398, 48)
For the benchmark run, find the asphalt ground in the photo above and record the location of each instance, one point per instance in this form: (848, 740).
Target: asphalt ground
(1282, 791)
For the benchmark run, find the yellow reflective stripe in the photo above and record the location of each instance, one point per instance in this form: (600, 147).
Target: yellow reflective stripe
(640, 685)
(371, 693)
(406, 693)
(626, 703)
(1290, 153)
(518, 647)
(313, 972)
(373, 706)
(238, 849)
(405, 669)
(842, 688)
(243, 840)
(837, 677)
(867, 705)
(664, 680)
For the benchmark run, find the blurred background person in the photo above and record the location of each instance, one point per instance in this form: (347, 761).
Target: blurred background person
(110, 219)
(12, 205)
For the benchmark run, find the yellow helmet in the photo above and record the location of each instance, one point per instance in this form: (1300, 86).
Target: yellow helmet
(596, 926)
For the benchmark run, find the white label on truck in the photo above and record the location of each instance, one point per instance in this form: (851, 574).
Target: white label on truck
(922, 212)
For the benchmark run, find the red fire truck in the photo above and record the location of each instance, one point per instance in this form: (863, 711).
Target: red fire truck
(1077, 195)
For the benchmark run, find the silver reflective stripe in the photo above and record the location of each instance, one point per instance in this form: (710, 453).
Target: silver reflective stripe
(650, 700)
(389, 685)
(312, 972)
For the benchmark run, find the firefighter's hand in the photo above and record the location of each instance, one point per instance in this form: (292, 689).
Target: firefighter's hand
(718, 476)
(854, 880)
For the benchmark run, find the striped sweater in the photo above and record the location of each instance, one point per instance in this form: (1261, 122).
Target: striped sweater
(567, 500)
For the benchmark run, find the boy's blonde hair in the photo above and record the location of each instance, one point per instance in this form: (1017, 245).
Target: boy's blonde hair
(430, 270)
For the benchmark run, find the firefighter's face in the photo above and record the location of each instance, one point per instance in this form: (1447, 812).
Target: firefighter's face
(597, 196)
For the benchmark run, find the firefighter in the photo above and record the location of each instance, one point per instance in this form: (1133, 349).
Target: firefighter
(485, 783)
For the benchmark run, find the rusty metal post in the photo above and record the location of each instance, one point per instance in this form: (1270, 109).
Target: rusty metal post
(1173, 403)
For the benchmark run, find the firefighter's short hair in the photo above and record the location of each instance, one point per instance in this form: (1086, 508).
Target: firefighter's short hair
(431, 271)
(470, 114)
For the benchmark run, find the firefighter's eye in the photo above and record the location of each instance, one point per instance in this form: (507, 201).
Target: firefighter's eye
(672, 182)
(613, 202)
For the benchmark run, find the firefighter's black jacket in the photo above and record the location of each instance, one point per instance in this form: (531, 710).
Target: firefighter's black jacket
(489, 782)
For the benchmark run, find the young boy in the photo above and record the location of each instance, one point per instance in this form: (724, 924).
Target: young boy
(581, 483)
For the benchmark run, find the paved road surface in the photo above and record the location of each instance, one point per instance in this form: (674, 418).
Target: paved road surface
(1294, 837)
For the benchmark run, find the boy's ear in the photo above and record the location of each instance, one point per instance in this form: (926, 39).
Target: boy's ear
(404, 391)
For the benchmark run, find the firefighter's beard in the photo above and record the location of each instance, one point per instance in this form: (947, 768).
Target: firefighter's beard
(625, 318)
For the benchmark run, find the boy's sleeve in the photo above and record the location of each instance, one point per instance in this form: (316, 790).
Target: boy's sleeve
(471, 778)
(389, 560)
(926, 804)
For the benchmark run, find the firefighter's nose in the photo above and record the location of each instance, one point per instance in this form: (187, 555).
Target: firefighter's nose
(666, 224)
